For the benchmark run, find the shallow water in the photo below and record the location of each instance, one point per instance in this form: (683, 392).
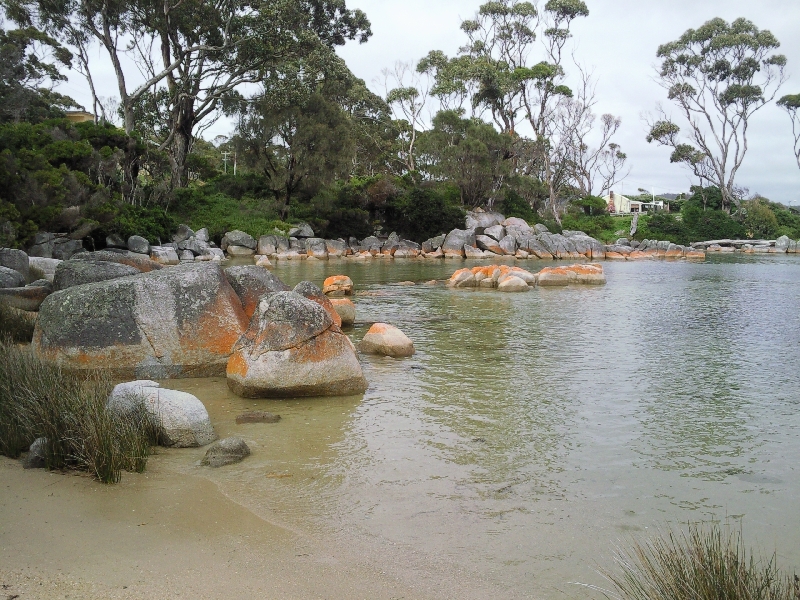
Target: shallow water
(532, 433)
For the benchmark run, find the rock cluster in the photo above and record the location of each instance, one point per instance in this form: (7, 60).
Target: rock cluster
(623, 249)
(514, 279)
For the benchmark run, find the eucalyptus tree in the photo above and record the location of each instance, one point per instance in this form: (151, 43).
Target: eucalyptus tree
(791, 104)
(407, 95)
(718, 76)
(200, 51)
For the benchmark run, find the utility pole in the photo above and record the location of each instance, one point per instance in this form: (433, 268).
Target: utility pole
(225, 156)
(234, 164)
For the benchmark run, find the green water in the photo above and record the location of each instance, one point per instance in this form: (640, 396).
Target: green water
(532, 433)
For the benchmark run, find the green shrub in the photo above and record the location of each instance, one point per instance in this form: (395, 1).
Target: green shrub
(704, 225)
(664, 226)
(759, 220)
(39, 400)
(421, 213)
(16, 325)
(707, 563)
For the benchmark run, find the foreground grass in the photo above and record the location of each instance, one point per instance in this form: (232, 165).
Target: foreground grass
(16, 325)
(707, 563)
(39, 400)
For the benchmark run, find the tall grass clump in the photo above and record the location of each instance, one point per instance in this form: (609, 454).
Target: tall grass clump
(39, 400)
(16, 324)
(707, 563)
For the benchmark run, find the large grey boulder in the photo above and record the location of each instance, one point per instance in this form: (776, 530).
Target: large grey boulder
(251, 283)
(15, 259)
(184, 233)
(229, 451)
(539, 228)
(497, 232)
(64, 248)
(42, 246)
(267, 245)
(176, 322)
(316, 247)
(181, 420)
(302, 231)
(486, 242)
(9, 278)
(455, 241)
(371, 244)
(782, 244)
(293, 348)
(141, 263)
(238, 238)
(336, 248)
(202, 235)
(80, 272)
(314, 293)
(193, 245)
(433, 244)
(139, 245)
(479, 218)
(509, 245)
(164, 255)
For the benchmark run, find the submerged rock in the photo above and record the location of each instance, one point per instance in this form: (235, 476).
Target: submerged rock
(228, 451)
(257, 417)
(180, 418)
(386, 340)
(177, 322)
(293, 348)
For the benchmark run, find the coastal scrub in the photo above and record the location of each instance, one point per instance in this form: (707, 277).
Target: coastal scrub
(39, 400)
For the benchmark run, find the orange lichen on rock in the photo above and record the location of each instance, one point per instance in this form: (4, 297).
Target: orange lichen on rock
(591, 274)
(488, 276)
(237, 365)
(338, 285)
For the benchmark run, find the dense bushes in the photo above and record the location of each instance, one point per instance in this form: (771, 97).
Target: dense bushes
(38, 400)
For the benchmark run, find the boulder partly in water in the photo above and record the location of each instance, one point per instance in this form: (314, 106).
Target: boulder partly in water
(291, 349)
(178, 322)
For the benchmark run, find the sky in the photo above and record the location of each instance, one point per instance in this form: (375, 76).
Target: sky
(618, 41)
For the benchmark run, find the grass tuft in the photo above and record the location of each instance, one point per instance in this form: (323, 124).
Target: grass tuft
(39, 400)
(16, 324)
(707, 563)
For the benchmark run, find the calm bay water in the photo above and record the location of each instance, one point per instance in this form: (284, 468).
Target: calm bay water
(532, 433)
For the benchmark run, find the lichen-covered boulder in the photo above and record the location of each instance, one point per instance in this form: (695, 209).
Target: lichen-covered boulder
(80, 272)
(386, 340)
(313, 293)
(181, 420)
(229, 451)
(164, 255)
(293, 348)
(453, 245)
(338, 285)
(481, 218)
(251, 283)
(590, 274)
(176, 322)
(302, 231)
(141, 263)
(511, 283)
(139, 245)
(238, 238)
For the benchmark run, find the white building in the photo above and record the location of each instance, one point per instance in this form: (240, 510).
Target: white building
(622, 205)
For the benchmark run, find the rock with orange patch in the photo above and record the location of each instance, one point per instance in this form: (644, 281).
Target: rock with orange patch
(293, 348)
(462, 278)
(251, 283)
(386, 340)
(591, 274)
(313, 293)
(346, 310)
(511, 283)
(176, 322)
(338, 285)
(695, 254)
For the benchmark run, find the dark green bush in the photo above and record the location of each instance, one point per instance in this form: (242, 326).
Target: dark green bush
(421, 212)
(664, 226)
(710, 224)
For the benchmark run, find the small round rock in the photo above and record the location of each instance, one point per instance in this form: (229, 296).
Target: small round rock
(226, 452)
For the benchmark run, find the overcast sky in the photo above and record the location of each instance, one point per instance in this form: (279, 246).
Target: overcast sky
(619, 40)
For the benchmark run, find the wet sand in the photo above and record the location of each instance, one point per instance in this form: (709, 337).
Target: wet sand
(166, 535)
